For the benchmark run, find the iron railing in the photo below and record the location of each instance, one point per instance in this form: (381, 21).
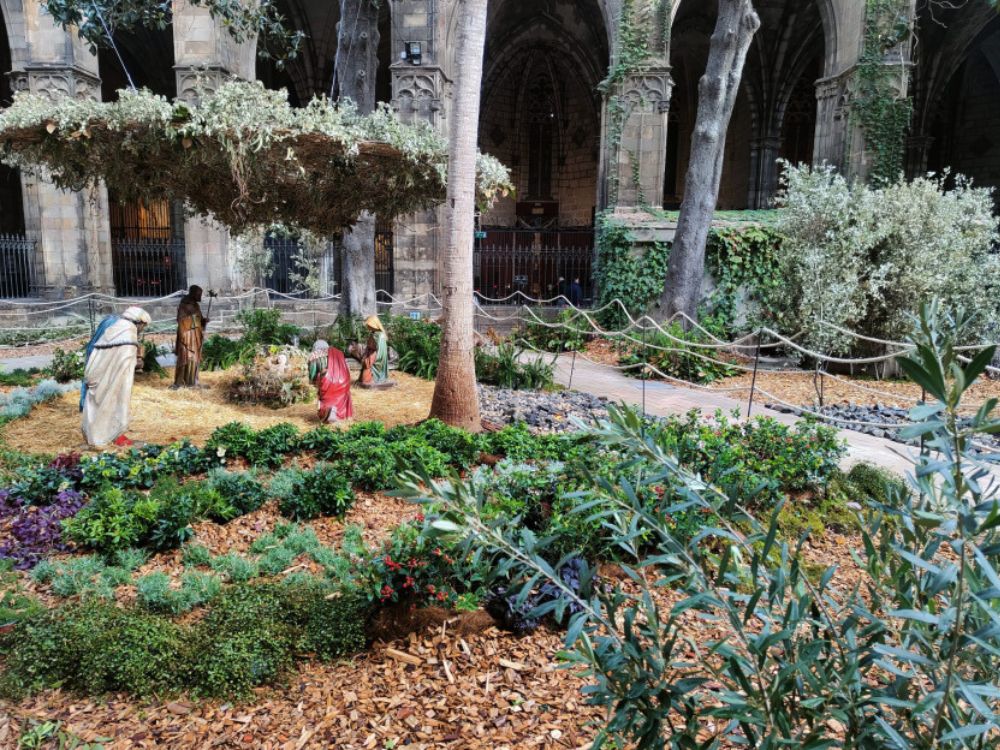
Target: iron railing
(286, 270)
(17, 266)
(538, 264)
(148, 267)
(385, 274)
(288, 273)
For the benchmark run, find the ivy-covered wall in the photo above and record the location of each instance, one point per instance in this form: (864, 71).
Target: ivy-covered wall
(880, 104)
(742, 280)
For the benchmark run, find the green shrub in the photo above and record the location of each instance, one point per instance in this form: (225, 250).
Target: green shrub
(113, 520)
(241, 490)
(250, 636)
(240, 645)
(676, 355)
(268, 447)
(505, 369)
(66, 366)
(567, 333)
(461, 448)
(368, 462)
(877, 485)
(418, 344)
(264, 327)
(20, 377)
(232, 440)
(515, 441)
(93, 647)
(323, 491)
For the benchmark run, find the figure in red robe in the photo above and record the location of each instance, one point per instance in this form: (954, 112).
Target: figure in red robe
(328, 372)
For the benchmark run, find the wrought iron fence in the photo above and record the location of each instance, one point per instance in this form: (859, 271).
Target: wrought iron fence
(288, 271)
(538, 264)
(17, 266)
(148, 267)
(384, 266)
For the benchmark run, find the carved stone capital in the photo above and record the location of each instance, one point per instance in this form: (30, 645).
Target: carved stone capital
(418, 91)
(56, 82)
(651, 88)
(193, 81)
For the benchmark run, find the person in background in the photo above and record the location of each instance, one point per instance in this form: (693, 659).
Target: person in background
(561, 292)
(190, 339)
(113, 355)
(328, 372)
(575, 293)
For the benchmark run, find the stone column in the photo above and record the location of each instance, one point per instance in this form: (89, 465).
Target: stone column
(634, 140)
(832, 121)
(764, 153)
(205, 55)
(71, 231)
(420, 92)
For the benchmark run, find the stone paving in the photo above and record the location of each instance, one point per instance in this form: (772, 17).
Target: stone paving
(663, 399)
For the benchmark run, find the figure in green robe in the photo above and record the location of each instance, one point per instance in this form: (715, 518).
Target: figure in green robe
(375, 363)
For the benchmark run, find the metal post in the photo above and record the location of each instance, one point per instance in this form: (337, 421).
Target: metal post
(753, 382)
(90, 314)
(642, 375)
(572, 369)
(923, 400)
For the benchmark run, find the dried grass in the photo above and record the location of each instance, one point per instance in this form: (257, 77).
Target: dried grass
(160, 415)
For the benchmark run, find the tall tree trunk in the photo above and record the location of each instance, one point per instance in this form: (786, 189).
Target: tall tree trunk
(717, 90)
(354, 71)
(455, 398)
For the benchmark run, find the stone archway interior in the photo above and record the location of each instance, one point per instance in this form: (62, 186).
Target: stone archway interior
(965, 134)
(540, 111)
(775, 114)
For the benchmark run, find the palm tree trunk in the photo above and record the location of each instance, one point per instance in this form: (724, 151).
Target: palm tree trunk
(717, 90)
(456, 400)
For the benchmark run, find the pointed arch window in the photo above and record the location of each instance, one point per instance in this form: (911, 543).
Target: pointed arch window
(541, 112)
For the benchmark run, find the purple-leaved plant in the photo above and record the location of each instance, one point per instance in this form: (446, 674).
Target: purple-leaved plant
(29, 533)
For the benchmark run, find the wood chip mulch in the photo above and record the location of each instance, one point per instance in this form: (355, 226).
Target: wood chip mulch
(801, 389)
(432, 690)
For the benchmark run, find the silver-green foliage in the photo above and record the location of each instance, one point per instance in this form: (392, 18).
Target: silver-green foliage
(866, 258)
(242, 154)
(725, 640)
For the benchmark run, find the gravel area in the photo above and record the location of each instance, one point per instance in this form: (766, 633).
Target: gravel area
(878, 420)
(542, 411)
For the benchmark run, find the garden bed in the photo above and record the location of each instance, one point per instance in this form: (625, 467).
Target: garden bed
(432, 677)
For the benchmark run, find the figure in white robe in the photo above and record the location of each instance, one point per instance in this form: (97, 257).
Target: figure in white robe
(113, 355)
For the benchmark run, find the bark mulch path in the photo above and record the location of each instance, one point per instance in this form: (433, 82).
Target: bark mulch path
(435, 689)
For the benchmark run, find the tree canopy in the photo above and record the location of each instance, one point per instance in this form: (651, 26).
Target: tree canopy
(242, 155)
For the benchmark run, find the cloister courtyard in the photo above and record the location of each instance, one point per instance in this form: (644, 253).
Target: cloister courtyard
(494, 374)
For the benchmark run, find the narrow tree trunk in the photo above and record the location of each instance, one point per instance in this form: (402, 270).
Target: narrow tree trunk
(455, 398)
(354, 71)
(717, 90)
(357, 269)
